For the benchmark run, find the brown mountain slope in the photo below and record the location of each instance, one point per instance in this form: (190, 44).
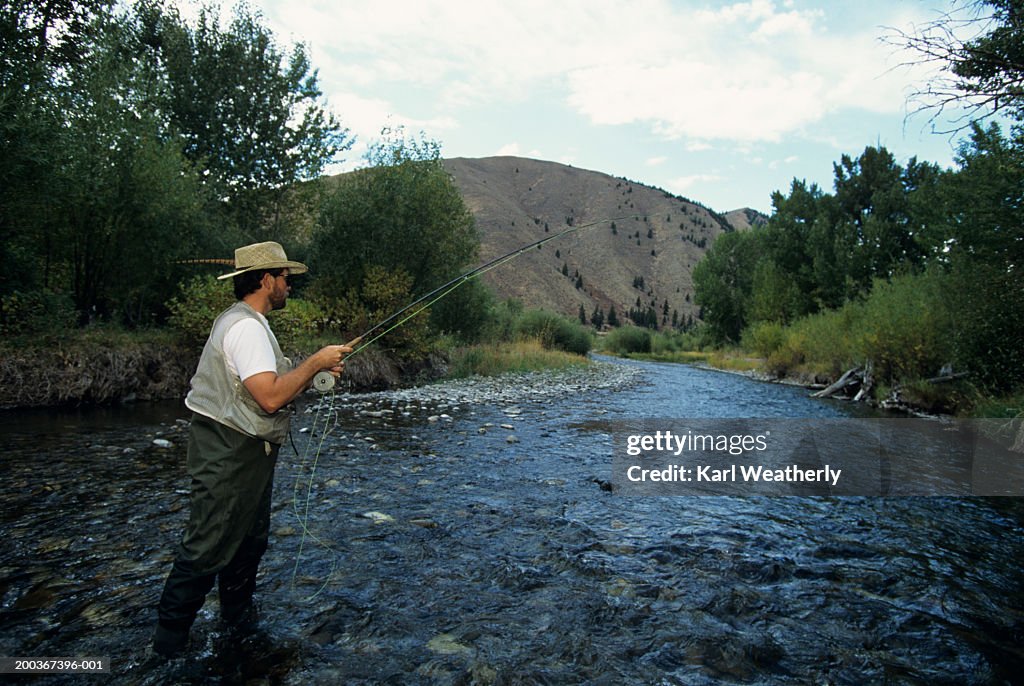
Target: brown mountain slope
(745, 218)
(651, 236)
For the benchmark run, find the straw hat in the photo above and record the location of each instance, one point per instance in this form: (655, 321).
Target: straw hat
(268, 255)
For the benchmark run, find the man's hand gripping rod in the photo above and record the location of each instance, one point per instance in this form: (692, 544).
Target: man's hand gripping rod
(324, 380)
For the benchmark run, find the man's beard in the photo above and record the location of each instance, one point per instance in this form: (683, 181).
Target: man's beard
(278, 300)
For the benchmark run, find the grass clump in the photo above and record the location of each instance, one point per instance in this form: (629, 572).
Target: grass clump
(528, 355)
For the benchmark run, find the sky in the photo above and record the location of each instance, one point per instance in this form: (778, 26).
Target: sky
(720, 102)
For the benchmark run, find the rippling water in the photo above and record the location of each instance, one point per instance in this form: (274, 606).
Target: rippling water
(461, 541)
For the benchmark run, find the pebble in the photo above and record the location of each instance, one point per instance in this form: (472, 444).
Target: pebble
(445, 644)
(162, 443)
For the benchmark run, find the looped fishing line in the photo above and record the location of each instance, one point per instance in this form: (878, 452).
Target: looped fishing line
(302, 513)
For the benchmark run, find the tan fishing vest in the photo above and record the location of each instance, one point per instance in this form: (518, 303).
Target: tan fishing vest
(219, 394)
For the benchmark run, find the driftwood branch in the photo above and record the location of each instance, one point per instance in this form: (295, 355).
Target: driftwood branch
(850, 377)
(948, 377)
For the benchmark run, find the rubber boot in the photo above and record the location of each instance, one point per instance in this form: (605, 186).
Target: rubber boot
(169, 643)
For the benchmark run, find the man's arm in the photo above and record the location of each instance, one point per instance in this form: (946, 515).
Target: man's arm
(273, 392)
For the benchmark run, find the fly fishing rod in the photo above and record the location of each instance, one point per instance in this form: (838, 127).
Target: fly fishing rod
(324, 381)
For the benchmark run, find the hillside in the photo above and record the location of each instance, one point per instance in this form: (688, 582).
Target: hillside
(653, 238)
(745, 218)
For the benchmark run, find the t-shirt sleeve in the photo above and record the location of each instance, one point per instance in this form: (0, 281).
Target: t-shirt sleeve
(247, 349)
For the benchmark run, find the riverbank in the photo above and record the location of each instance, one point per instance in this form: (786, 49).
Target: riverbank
(105, 366)
(917, 398)
(94, 367)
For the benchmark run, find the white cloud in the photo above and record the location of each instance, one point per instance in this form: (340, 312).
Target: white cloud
(775, 164)
(682, 183)
(655, 161)
(516, 150)
(509, 149)
(745, 71)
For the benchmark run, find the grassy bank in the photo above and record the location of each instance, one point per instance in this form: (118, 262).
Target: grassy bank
(493, 359)
(815, 351)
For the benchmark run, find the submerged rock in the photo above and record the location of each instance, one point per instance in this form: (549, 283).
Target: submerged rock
(378, 517)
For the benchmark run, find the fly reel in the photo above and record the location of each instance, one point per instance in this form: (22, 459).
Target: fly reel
(323, 381)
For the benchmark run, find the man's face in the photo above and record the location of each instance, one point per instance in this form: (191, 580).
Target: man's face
(279, 294)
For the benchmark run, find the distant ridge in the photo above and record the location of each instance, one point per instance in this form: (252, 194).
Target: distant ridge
(647, 255)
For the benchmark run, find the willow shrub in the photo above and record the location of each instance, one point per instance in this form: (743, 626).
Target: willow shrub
(903, 329)
(764, 338)
(627, 340)
(907, 330)
(554, 331)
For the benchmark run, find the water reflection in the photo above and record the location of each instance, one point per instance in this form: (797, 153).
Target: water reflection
(451, 554)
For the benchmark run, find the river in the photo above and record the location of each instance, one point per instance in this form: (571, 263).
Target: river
(466, 533)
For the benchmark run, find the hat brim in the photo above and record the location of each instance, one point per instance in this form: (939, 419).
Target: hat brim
(292, 267)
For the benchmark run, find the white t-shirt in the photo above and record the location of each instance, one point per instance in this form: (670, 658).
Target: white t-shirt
(247, 348)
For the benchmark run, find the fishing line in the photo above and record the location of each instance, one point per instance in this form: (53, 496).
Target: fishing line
(324, 381)
(330, 423)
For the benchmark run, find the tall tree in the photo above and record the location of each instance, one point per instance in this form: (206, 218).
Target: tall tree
(250, 113)
(873, 197)
(39, 43)
(984, 252)
(128, 203)
(722, 284)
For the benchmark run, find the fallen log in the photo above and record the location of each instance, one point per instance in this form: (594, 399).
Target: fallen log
(845, 380)
(948, 377)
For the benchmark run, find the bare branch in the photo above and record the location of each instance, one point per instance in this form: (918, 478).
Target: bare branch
(980, 69)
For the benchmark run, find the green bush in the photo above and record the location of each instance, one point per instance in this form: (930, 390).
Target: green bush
(35, 313)
(200, 301)
(764, 338)
(827, 342)
(901, 329)
(501, 321)
(554, 331)
(628, 339)
(502, 358)
(297, 322)
(203, 298)
(906, 327)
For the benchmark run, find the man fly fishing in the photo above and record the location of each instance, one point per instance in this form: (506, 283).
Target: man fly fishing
(238, 394)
